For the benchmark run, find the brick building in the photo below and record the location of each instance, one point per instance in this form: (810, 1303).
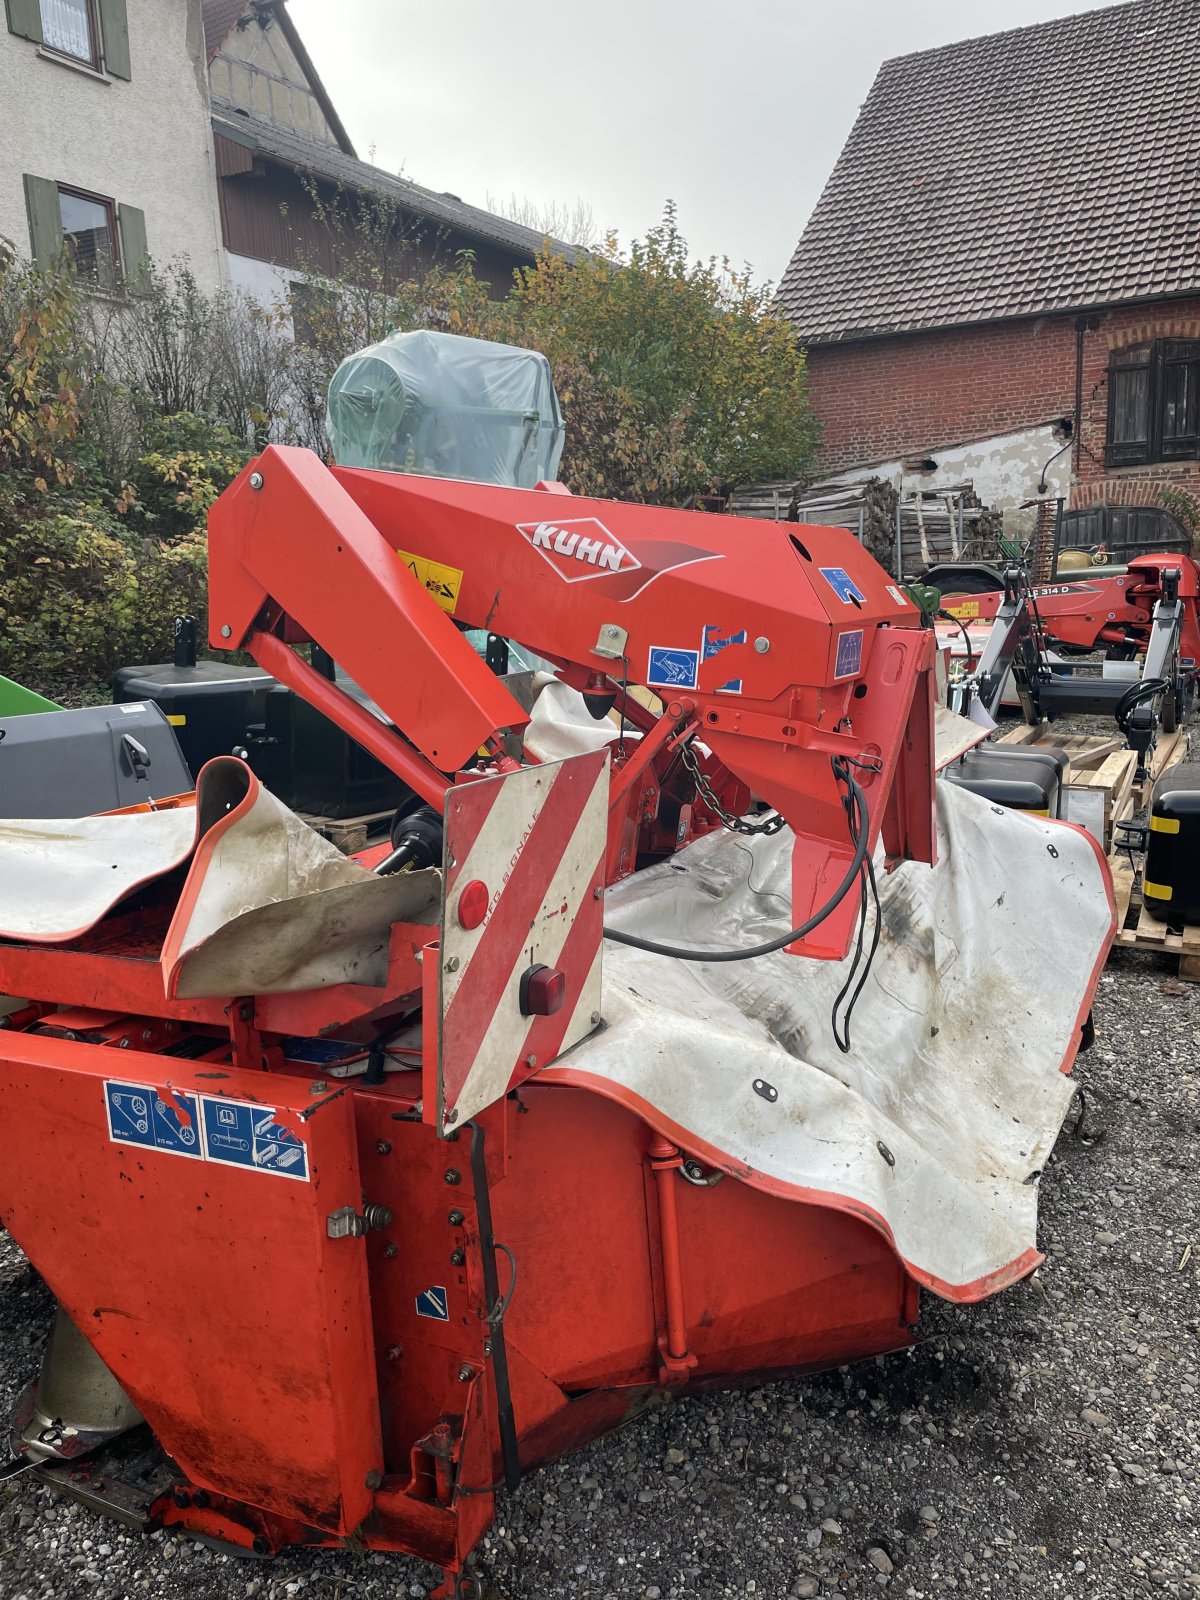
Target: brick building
(1001, 280)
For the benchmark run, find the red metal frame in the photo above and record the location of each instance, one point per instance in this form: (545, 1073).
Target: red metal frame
(1097, 609)
(308, 1385)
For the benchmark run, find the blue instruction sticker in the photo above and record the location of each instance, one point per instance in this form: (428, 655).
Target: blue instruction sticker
(842, 584)
(672, 669)
(849, 654)
(715, 640)
(734, 686)
(138, 1114)
(243, 1134)
(434, 1303)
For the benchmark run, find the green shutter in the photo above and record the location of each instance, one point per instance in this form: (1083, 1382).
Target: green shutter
(25, 18)
(114, 35)
(135, 256)
(45, 220)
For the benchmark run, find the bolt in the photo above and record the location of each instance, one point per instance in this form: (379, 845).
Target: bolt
(598, 892)
(182, 1498)
(595, 1018)
(383, 1148)
(487, 1347)
(455, 1219)
(419, 956)
(122, 1044)
(246, 1010)
(762, 645)
(374, 1480)
(256, 480)
(452, 1116)
(457, 1257)
(611, 632)
(147, 1035)
(226, 630)
(394, 1352)
(201, 1498)
(318, 1087)
(453, 1176)
(465, 1373)
(531, 1061)
(452, 965)
(391, 1251)
(261, 1546)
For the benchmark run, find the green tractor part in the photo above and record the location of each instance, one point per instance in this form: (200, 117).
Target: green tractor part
(16, 701)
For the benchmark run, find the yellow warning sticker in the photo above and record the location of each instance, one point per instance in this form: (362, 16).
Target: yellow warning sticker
(964, 609)
(443, 583)
(176, 720)
(1156, 891)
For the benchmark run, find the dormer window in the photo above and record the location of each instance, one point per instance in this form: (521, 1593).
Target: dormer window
(70, 28)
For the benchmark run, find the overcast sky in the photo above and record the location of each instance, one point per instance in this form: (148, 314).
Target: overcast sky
(735, 109)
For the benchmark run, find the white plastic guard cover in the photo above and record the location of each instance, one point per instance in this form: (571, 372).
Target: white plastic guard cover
(937, 1123)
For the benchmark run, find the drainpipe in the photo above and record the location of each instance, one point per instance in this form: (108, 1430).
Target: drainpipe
(1088, 324)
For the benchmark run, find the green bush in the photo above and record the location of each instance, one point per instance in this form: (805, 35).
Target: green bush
(80, 595)
(187, 461)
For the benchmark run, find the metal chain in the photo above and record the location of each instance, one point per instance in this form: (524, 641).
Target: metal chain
(770, 824)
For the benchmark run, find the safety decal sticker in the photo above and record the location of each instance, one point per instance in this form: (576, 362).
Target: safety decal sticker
(849, 654)
(442, 582)
(243, 1134)
(672, 669)
(140, 1115)
(205, 1127)
(842, 584)
(713, 641)
(434, 1303)
(964, 611)
(898, 595)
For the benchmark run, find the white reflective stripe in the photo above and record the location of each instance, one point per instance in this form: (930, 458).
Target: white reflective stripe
(489, 859)
(498, 1053)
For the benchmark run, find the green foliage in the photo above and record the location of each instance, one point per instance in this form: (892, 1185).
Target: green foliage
(41, 409)
(674, 376)
(79, 595)
(187, 462)
(121, 421)
(1184, 507)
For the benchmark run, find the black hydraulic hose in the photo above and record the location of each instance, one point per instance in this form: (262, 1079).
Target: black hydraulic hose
(856, 810)
(1135, 696)
(948, 616)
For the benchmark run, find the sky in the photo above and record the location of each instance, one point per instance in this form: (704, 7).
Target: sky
(734, 109)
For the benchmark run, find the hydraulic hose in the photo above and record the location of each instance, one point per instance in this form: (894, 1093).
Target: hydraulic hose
(860, 832)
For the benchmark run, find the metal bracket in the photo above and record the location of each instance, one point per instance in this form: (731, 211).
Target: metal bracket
(612, 642)
(346, 1223)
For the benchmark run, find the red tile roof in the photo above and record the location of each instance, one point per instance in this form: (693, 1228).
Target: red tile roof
(1050, 168)
(219, 19)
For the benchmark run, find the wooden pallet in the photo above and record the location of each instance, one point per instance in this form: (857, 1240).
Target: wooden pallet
(1139, 929)
(351, 833)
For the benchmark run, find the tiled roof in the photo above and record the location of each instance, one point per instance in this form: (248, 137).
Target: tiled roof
(219, 19)
(324, 161)
(1050, 168)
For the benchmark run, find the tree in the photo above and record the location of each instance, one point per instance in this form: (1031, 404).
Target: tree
(675, 377)
(571, 224)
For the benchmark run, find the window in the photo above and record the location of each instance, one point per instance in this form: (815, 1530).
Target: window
(92, 32)
(1154, 403)
(69, 26)
(106, 240)
(89, 230)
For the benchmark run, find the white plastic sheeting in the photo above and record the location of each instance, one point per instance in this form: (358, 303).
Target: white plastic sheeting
(447, 407)
(267, 905)
(937, 1123)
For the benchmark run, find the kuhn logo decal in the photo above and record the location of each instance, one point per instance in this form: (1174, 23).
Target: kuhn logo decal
(580, 548)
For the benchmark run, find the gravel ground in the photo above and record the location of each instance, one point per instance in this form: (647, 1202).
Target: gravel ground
(1043, 1444)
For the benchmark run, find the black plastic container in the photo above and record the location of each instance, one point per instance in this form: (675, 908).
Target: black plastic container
(1171, 885)
(1022, 780)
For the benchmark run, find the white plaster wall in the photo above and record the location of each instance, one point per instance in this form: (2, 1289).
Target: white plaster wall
(1004, 470)
(147, 143)
(259, 280)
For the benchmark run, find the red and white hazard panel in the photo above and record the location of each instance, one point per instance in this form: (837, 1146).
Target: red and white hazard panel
(522, 927)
